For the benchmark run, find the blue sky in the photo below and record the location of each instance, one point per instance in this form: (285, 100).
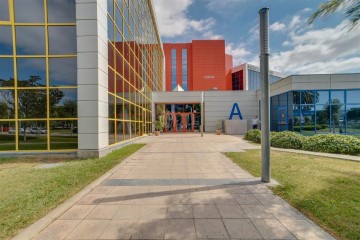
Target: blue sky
(327, 46)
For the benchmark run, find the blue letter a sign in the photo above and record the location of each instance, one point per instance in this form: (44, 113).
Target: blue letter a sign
(235, 111)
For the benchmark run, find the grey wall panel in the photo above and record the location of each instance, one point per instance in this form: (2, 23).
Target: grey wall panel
(218, 106)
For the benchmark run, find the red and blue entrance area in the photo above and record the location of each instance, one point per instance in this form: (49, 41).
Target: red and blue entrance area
(180, 117)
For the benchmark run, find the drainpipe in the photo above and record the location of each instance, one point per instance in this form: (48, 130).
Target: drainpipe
(265, 94)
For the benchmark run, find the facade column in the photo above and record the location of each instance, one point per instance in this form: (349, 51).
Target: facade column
(92, 70)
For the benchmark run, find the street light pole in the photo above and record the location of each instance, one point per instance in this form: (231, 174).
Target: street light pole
(265, 94)
(202, 114)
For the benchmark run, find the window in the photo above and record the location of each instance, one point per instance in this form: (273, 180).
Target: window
(30, 40)
(63, 71)
(61, 40)
(6, 72)
(184, 69)
(61, 11)
(4, 11)
(31, 72)
(6, 47)
(29, 11)
(173, 69)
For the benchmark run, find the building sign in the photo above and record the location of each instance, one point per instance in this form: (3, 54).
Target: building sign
(209, 76)
(235, 111)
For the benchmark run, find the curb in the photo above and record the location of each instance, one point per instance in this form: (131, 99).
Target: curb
(31, 231)
(320, 154)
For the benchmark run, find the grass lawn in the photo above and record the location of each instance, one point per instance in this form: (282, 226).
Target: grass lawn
(27, 193)
(326, 190)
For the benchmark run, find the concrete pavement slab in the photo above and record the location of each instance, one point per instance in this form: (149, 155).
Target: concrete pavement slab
(181, 186)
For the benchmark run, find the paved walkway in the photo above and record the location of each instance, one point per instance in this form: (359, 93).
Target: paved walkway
(182, 187)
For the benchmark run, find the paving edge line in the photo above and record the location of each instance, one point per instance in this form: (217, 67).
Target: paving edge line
(320, 154)
(31, 231)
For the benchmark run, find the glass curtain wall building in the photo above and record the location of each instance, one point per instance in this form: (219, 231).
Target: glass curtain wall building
(310, 111)
(134, 69)
(77, 75)
(38, 81)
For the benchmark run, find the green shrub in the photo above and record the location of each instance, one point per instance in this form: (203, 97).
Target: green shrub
(310, 127)
(253, 135)
(332, 143)
(287, 139)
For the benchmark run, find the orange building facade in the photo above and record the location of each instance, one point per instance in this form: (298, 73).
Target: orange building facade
(198, 66)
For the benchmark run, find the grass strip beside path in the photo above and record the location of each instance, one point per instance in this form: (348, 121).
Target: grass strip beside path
(28, 193)
(326, 190)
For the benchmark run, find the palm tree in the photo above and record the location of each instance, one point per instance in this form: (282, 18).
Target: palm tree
(352, 10)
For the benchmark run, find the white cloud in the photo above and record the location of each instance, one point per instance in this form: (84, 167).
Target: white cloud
(277, 26)
(306, 10)
(328, 50)
(239, 52)
(173, 19)
(224, 7)
(212, 36)
(295, 22)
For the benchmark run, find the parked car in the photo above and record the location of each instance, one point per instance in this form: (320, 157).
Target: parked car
(12, 130)
(38, 131)
(35, 130)
(21, 130)
(43, 131)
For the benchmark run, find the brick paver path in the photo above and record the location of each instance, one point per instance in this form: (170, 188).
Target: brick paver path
(182, 187)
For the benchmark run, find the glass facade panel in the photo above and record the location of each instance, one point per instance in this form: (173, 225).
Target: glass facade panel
(7, 135)
(322, 97)
(30, 40)
(184, 69)
(136, 67)
(32, 103)
(4, 10)
(63, 103)
(32, 135)
(307, 97)
(29, 11)
(45, 117)
(339, 117)
(61, 40)
(7, 103)
(353, 119)
(173, 69)
(6, 47)
(6, 72)
(111, 131)
(61, 11)
(63, 72)
(31, 72)
(63, 135)
(337, 97)
(352, 96)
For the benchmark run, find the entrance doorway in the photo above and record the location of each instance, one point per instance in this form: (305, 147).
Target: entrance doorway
(181, 117)
(179, 122)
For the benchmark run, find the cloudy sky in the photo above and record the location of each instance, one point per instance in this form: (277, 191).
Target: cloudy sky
(327, 46)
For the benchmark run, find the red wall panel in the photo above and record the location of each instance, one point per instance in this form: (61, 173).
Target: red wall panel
(208, 66)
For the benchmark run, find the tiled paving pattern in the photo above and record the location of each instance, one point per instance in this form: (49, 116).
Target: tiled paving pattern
(182, 187)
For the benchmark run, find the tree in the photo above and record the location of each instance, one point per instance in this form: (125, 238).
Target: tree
(4, 113)
(32, 102)
(352, 8)
(335, 109)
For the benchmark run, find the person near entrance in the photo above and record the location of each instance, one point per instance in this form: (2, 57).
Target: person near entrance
(255, 122)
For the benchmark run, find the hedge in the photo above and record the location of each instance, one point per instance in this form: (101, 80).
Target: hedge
(287, 139)
(327, 143)
(310, 127)
(332, 143)
(254, 135)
